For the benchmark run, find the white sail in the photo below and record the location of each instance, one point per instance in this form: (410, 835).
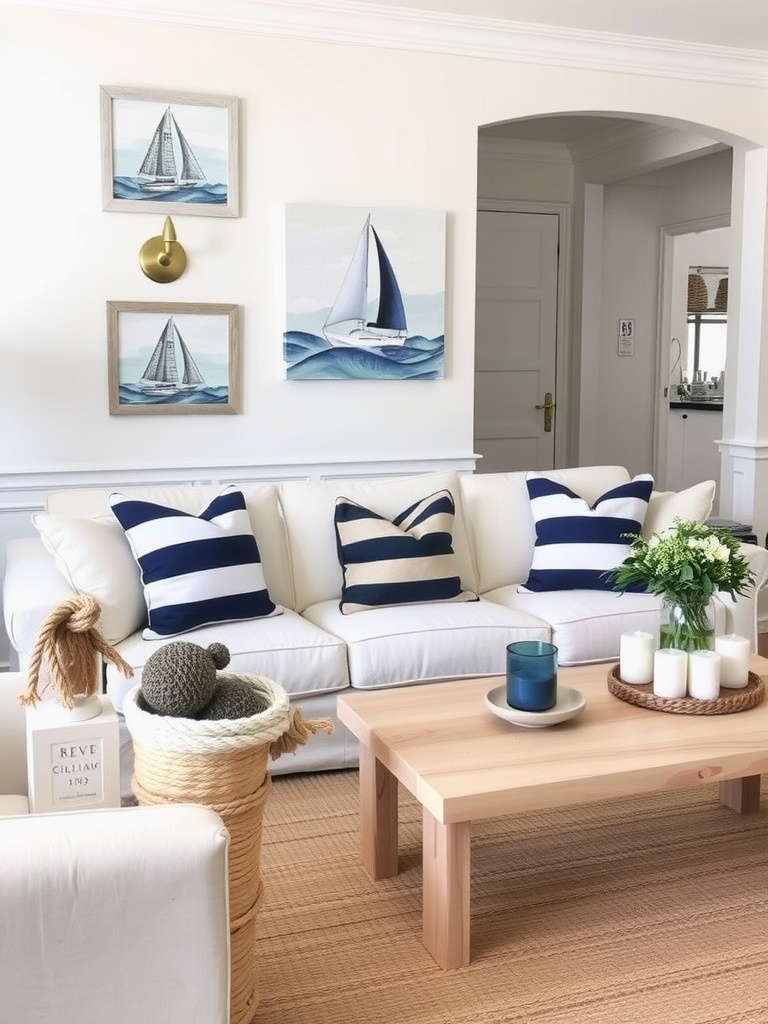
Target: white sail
(161, 375)
(351, 302)
(158, 171)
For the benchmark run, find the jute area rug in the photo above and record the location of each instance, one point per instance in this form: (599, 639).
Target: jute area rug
(652, 910)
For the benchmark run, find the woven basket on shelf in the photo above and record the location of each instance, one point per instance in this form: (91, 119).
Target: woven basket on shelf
(698, 295)
(223, 765)
(721, 298)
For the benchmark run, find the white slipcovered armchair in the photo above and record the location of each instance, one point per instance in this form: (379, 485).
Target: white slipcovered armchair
(108, 915)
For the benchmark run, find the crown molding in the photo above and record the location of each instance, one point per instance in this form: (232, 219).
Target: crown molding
(382, 25)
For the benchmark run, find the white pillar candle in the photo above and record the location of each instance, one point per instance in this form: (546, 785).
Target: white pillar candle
(670, 671)
(734, 660)
(636, 652)
(704, 675)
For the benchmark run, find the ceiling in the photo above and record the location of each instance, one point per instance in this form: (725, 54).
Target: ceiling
(566, 128)
(738, 23)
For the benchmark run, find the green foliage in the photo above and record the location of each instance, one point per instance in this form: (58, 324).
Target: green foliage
(686, 562)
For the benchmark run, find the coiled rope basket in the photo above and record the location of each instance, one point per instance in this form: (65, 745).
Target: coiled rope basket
(223, 765)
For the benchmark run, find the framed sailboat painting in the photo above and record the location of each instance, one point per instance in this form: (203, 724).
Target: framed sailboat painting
(174, 357)
(169, 152)
(365, 291)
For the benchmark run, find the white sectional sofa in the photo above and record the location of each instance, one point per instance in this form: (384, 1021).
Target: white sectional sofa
(315, 650)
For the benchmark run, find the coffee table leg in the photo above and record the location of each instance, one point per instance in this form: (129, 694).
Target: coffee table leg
(378, 816)
(445, 914)
(742, 795)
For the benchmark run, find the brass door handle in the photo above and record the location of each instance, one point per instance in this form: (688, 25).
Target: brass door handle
(548, 406)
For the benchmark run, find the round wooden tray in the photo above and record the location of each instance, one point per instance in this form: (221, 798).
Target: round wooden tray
(727, 703)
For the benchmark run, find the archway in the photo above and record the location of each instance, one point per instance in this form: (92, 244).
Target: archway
(605, 152)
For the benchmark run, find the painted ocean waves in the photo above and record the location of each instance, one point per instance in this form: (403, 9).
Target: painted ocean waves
(132, 394)
(130, 188)
(310, 357)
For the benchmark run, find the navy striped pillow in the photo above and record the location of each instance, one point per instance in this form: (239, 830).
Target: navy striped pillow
(407, 561)
(577, 544)
(195, 570)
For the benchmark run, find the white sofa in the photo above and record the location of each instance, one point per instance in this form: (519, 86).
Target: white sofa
(314, 650)
(93, 926)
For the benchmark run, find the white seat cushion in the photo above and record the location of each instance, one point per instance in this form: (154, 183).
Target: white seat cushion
(304, 659)
(423, 643)
(587, 624)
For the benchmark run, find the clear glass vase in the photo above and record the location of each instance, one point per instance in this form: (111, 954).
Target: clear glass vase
(688, 624)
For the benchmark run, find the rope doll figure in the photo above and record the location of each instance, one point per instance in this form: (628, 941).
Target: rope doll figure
(67, 650)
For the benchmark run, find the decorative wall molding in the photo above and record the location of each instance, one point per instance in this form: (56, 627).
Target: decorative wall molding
(382, 25)
(24, 485)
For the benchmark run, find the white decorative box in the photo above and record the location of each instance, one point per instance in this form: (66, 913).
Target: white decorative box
(73, 755)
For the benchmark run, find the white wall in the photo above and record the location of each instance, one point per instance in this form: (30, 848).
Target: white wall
(321, 122)
(309, 135)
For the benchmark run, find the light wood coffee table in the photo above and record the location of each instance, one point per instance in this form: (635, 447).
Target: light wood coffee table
(463, 763)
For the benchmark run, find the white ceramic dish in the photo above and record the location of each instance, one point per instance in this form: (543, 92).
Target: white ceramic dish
(569, 703)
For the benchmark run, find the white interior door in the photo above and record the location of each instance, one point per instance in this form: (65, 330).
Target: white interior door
(516, 340)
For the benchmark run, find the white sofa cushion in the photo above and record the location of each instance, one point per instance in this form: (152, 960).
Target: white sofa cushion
(95, 558)
(577, 543)
(308, 509)
(305, 660)
(587, 624)
(428, 642)
(694, 503)
(196, 570)
(408, 560)
(497, 512)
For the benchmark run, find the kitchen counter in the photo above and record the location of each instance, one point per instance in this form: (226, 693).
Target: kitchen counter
(706, 404)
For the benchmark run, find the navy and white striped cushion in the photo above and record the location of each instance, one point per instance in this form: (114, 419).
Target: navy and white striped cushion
(575, 543)
(407, 561)
(195, 570)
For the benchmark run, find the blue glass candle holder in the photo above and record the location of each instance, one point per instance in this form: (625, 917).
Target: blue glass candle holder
(531, 675)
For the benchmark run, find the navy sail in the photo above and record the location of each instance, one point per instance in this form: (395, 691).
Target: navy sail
(346, 323)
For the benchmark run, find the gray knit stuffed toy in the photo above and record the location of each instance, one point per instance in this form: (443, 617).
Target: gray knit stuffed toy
(181, 680)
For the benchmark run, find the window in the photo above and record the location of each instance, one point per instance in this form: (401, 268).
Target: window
(703, 355)
(705, 350)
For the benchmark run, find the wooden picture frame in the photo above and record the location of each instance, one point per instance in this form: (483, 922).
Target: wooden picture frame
(170, 152)
(171, 358)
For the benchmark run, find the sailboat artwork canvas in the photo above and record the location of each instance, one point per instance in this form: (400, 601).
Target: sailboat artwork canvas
(365, 293)
(172, 358)
(166, 150)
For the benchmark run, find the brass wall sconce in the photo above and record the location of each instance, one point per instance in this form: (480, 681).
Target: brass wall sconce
(162, 257)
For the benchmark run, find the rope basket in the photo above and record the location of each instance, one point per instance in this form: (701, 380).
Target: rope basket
(721, 298)
(727, 703)
(698, 294)
(223, 765)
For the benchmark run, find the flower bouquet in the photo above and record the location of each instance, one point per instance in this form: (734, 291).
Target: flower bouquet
(685, 564)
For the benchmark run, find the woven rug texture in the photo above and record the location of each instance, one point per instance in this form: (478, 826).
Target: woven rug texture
(648, 910)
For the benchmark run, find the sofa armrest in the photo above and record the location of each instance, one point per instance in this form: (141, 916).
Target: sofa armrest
(741, 613)
(32, 586)
(121, 914)
(13, 738)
